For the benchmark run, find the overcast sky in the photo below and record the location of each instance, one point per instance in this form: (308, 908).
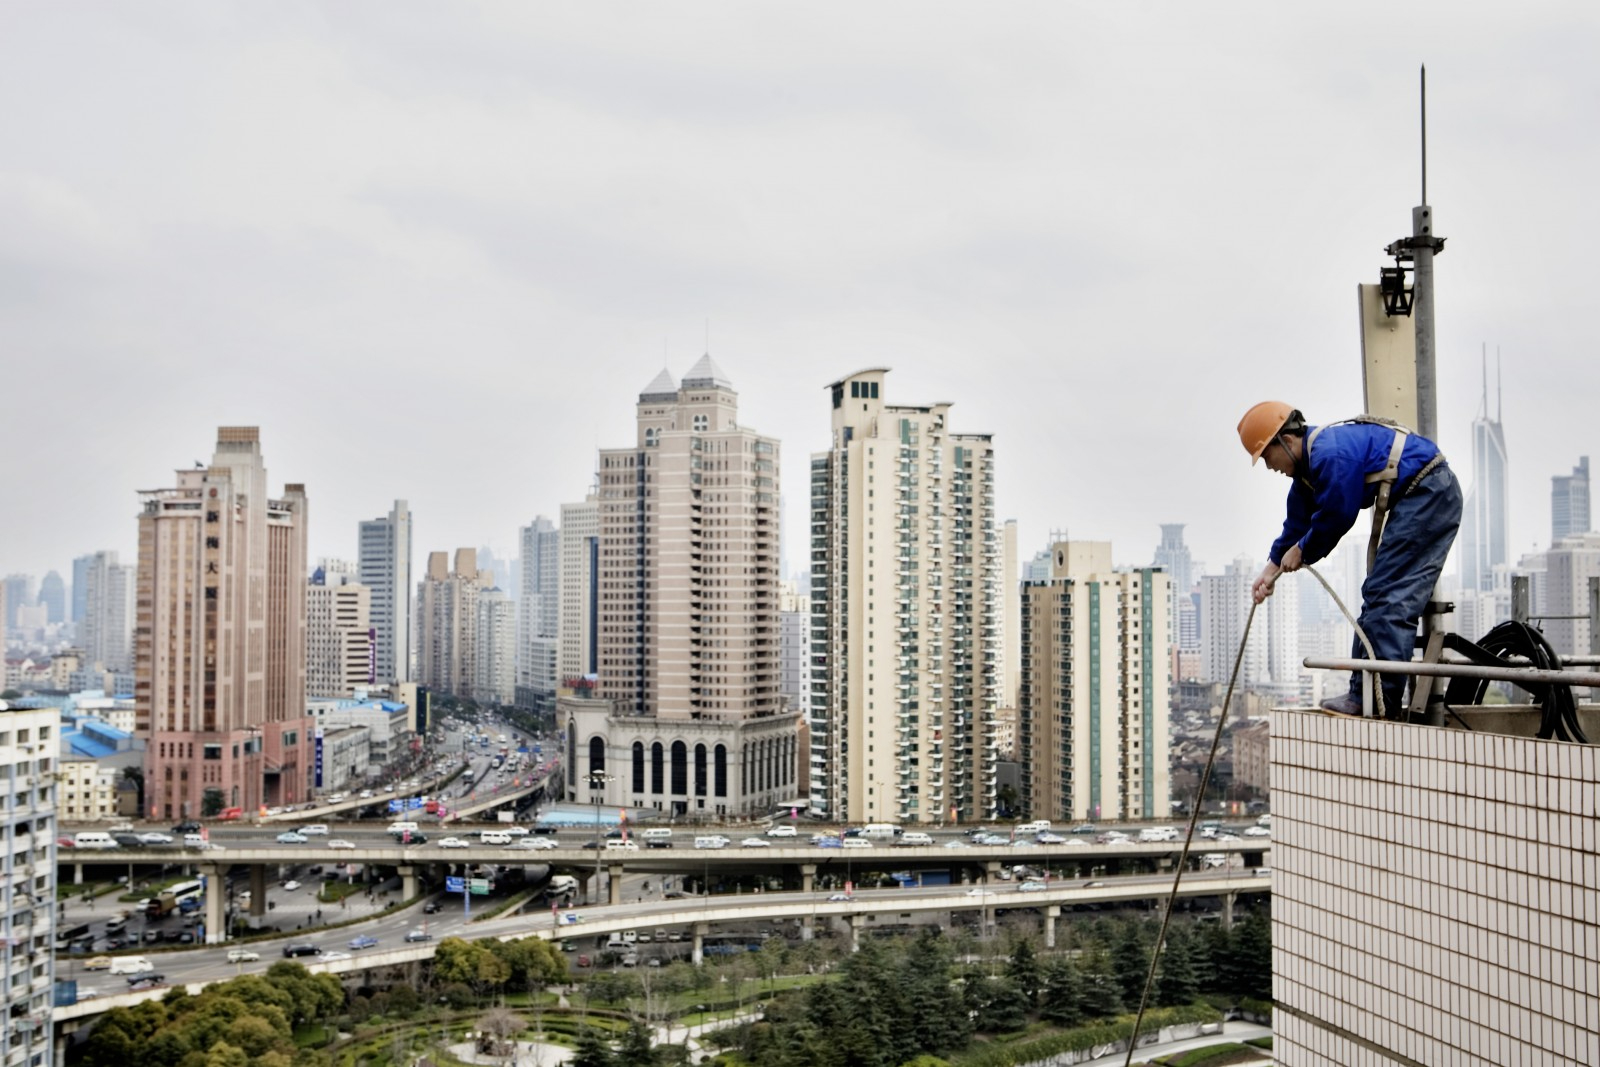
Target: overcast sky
(436, 250)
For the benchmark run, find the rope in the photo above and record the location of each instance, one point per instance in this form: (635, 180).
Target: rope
(1372, 688)
(1188, 838)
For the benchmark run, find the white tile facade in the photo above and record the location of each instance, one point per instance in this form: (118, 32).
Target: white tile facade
(1436, 897)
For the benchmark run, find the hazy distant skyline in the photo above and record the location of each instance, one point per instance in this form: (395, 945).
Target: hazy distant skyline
(436, 251)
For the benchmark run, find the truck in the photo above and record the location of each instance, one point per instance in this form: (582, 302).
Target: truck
(161, 906)
(561, 884)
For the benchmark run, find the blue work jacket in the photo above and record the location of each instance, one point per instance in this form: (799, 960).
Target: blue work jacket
(1337, 465)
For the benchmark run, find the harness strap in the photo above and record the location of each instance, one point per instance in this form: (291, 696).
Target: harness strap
(1385, 478)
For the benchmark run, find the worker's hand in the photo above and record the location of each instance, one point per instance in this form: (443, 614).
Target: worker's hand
(1263, 584)
(1291, 560)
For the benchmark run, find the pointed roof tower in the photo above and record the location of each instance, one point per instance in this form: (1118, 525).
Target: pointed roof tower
(706, 374)
(661, 388)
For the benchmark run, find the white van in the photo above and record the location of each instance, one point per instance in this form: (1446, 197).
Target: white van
(616, 844)
(93, 839)
(1158, 833)
(402, 828)
(194, 841)
(131, 965)
(657, 833)
(880, 831)
(915, 837)
(1037, 826)
(494, 837)
(711, 841)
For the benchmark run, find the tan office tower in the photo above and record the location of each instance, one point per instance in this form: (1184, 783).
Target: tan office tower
(220, 638)
(688, 629)
(340, 652)
(447, 653)
(1094, 696)
(906, 608)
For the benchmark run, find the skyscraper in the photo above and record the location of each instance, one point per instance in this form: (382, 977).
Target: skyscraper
(1569, 502)
(495, 667)
(538, 613)
(107, 620)
(53, 595)
(688, 718)
(1093, 714)
(339, 649)
(80, 587)
(220, 642)
(30, 764)
(19, 594)
(1485, 531)
(578, 635)
(447, 655)
(906, 611)
(384, 564)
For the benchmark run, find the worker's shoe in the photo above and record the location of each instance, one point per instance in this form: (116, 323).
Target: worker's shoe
(1345, 704)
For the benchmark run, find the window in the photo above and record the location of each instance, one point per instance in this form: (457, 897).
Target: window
(680, 767)
(638, 766)
(597, 755)
(656, 783)
(700, 770)
(701, 423)
(215, 751)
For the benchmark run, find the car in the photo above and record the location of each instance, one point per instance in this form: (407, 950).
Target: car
(418, 935)
(336, 798)
(1258, 831)
(300, 948)
(365, 794)
(533, 843)
(99, 963)
(956, 842)
(129, 840)
(330, 957)
(453, 842)
(291, 885)
(87, 993)
(66, 842)
(782, 831)
(189, 826)
(838, 896)
(755, 842)
(1032, 887)
(275, 810)
(410, 837)
(364, 941)
(653, 961)
(120, 828)
(979, 891)
(316, 829)
(1048, 838)
(340, 842)
(1093, 885)
(243, 955)
(513, 829)
(1229, 837)
(145, 981)
(432, 907)
(291, 837)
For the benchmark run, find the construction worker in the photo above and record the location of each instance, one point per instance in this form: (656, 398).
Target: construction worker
(1336, 471)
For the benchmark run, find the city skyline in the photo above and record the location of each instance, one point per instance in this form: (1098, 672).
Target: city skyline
(990, 207)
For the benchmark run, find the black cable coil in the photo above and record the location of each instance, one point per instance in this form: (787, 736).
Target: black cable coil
(1559, 720)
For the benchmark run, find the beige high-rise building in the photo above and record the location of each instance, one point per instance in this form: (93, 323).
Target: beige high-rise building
(906, 611)
(340, 653)
(447, 654)
(687, 716)
(495, 668)
(1094, 695)
(220, 638)
(578, 640)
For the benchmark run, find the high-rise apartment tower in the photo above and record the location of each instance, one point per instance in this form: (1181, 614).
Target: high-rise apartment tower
(906, 610)
(384, 565)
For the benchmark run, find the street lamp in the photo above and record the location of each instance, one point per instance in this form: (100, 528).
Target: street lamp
(597, 784)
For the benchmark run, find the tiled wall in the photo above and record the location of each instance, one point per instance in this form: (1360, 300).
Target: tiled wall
(1436, 897)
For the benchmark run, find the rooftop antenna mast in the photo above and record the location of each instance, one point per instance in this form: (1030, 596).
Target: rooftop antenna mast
(1420, 248)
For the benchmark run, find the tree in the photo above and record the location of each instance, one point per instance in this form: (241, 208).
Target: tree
(635, 1050)
(590, 1050)
(1023, 969)
(1176, 983)
(1102, 994)
(1061, 999)
(500, 1027)
(1253, 955)
(211, 803)
(1130, 961)
(470, 962)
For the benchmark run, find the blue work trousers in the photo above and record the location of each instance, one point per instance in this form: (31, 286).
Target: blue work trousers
(1421, 528)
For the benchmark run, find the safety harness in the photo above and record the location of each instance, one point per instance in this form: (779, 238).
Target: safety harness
(1385, 478)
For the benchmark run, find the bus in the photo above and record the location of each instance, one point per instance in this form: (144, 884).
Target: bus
(67, 935)
(185, 890)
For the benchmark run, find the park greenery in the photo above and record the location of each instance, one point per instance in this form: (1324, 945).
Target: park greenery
(925, 999)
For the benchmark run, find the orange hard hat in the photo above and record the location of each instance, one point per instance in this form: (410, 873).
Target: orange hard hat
(1261, 424)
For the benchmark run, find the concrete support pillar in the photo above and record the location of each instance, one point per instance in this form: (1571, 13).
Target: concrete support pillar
(808, 877)
(77, 874)
(698, 955)
(584, 877)
(991, 871)
(614, 873)
(408, 881)
(1227, 910)
(1051, 915)
(216, 903)
(855, 931)
(258, 893)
